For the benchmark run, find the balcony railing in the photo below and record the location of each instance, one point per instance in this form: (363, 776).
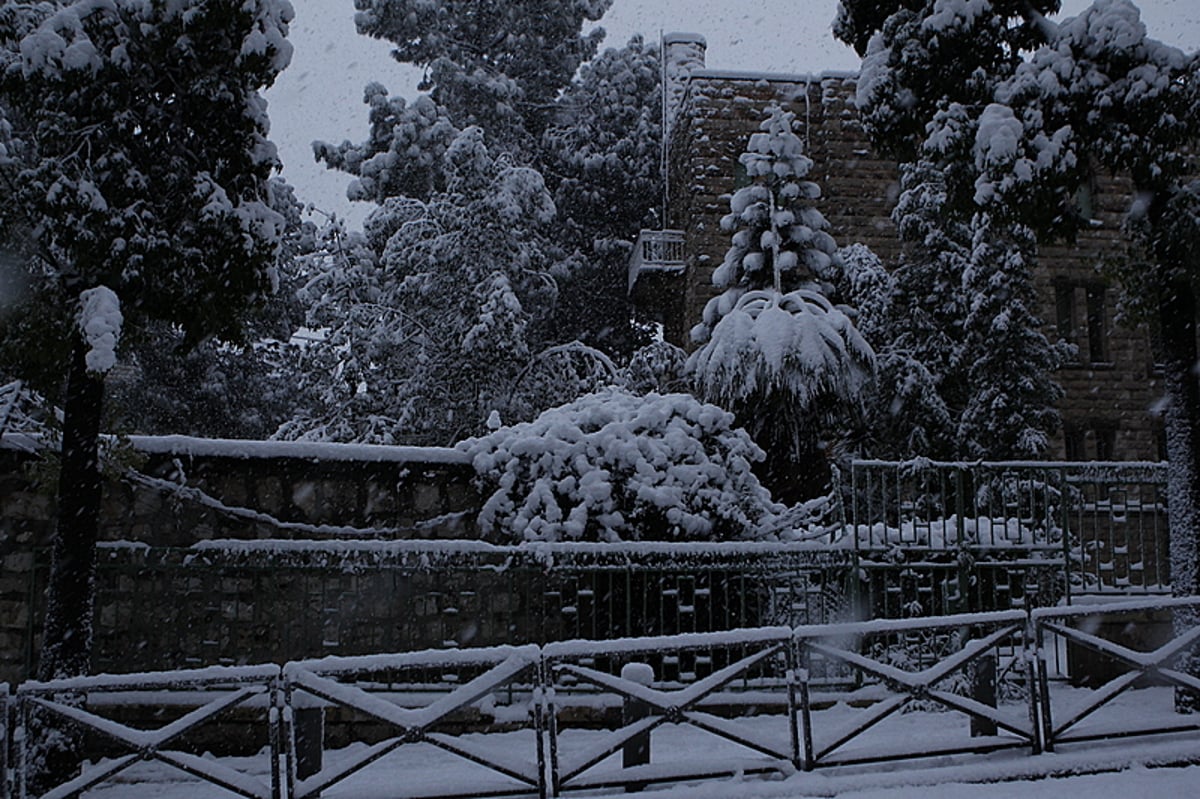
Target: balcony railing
(658, 251)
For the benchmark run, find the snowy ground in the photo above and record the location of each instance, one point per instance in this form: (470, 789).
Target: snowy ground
(1135, 766)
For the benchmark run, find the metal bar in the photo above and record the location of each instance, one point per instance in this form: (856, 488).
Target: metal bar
(5, 741)
(877, 714)
(274, 719)
(540, 688)
(1106, 693)
(794, 674)
(466, 753)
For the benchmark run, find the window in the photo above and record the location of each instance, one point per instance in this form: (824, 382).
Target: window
(1081, 312)
(1091, 440)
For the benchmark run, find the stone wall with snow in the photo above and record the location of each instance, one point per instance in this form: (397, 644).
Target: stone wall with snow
(177, 492)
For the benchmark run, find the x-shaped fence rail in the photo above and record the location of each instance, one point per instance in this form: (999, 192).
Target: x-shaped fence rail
(907, 686)
(433, 693)
(1140, 665)
(680, 706)
(228, 688)
(322, 679)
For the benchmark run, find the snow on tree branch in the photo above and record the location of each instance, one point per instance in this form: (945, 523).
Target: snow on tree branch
(100, 322)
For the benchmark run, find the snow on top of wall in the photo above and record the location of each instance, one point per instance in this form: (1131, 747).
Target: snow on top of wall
(542, 550)
(311, 450)
(684, 38)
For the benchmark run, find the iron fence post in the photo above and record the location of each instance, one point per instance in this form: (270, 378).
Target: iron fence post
(5, 773)
(1032, 684)
(274, 719)
(793, 675)
(21, 744)
(552, 729)
(809, 762)
(540, 688)
(1064, 487)
(1043, 689)
(288, 734)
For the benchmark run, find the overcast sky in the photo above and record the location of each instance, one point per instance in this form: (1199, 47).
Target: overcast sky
(320, 95)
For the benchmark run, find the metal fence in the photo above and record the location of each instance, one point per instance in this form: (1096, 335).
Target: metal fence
(590, 715)
(190, 607)
(1083, 528)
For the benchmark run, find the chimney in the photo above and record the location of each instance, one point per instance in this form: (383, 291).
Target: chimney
(683, 53)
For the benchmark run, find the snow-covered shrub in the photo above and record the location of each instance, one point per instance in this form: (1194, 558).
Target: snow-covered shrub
(656, 367)
(614, 466)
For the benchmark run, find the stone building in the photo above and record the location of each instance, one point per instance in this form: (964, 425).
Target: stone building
(1111, 389)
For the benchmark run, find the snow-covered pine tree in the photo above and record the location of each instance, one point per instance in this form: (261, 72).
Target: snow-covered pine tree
(497, 64)
(965, 278)
(403, 153)
(1100, 93)
(510, 69)
(219, 388)
(1009, 413)
(773, 348)
(601, 157)
(437, 309)
(134, 157)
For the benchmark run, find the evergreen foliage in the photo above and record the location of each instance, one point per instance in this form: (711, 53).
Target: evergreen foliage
(614, 466)
(432, 314)
(774, 349)
(497, 64)
(135, 164)
(966, 371)
(508, 72)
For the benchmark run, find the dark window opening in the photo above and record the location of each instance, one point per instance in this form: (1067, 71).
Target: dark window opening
(1088, 302)
(1094, 440)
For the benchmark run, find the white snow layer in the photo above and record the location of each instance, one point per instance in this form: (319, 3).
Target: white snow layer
(100, 322)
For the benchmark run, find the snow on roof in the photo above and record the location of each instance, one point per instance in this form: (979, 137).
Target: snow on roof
(773, 77)
(681, 38)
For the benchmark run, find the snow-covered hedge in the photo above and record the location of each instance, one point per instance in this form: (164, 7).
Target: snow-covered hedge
(614, 466)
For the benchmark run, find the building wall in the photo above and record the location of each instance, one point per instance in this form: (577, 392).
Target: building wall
(1107, 410)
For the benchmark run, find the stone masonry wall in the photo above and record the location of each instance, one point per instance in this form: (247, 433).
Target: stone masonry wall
(189, 491)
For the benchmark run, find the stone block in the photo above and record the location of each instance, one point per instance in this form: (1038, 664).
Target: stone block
(269, 495)
(427, 499)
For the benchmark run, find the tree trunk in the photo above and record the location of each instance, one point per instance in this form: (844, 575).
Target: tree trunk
(67, 632)
(1177, 316)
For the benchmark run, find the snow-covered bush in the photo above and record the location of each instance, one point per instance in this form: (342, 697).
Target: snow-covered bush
(614, 466)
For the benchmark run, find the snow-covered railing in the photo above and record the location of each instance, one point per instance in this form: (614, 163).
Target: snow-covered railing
(658, 251)
(1077, 626)
(1105, 522)
(679, 718)
(918, 660)
(221, 689)
(340, 683)
(619, 669)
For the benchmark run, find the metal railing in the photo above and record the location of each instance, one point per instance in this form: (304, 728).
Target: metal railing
(39, 704)
(656, 250)
(537, 719)
(1102, 526)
